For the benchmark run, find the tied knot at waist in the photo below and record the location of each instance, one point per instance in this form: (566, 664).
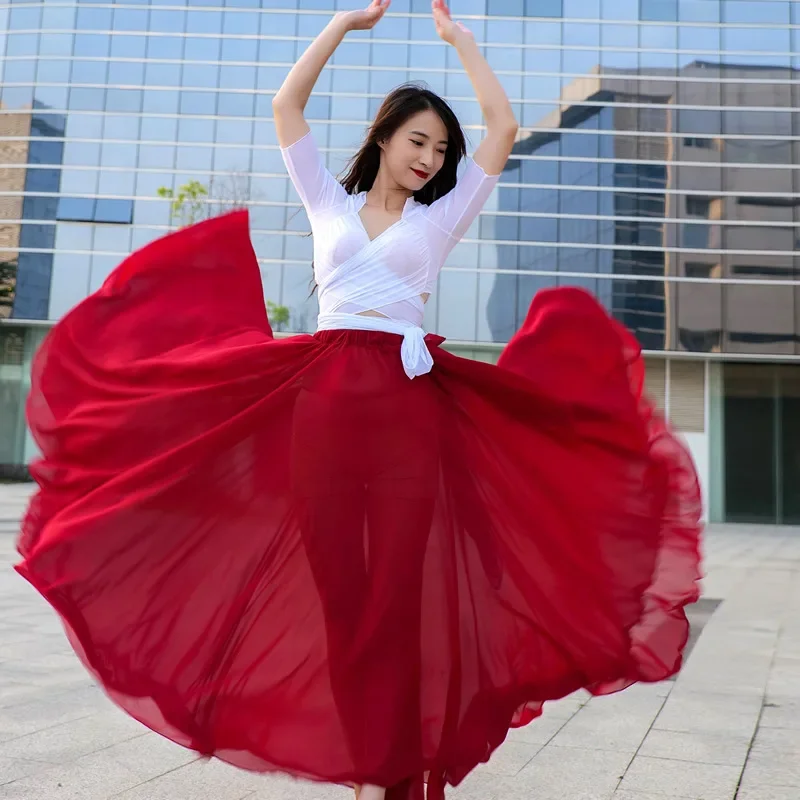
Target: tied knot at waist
(414, 353)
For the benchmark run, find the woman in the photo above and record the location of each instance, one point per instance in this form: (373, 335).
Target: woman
(353, 556)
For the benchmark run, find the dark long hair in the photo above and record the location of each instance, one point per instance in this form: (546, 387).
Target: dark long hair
(399, 105)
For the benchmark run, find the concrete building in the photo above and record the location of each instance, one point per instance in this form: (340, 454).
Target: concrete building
(657, 166)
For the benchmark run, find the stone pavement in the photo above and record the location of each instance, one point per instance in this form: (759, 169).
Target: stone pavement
(728, 726)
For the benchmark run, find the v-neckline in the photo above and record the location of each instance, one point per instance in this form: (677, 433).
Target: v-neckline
(363, 198)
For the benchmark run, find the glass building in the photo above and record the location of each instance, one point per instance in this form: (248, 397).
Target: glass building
(657, 165)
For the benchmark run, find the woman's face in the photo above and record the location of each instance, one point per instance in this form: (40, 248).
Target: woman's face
(415, 151)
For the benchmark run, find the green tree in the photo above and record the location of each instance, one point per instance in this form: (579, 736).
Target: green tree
(278, 315)
(189, 204)
(8, 285)
(194, 201)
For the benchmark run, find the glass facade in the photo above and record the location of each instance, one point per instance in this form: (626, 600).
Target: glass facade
(657, 163)
(761, 422)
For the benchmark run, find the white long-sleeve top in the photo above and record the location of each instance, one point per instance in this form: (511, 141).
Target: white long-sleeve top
(391, 273)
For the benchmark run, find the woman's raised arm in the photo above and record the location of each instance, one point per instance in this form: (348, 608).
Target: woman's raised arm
(290, 101)
(502, 126)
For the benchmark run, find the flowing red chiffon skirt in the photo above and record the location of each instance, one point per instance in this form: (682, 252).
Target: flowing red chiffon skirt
(288, 555)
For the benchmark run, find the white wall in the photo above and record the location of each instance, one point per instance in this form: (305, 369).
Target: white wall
(698, 445)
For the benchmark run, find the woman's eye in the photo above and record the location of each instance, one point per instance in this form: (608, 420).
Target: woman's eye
(442, 152)
(418, 144)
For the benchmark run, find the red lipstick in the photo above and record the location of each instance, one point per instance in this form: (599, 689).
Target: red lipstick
(419, 174)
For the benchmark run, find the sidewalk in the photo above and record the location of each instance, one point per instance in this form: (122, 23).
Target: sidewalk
(728, 728)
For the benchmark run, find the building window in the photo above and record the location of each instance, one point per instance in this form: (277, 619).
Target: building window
(698, 206)
(84, 209)
(544, 8)
(763, 270)
(697, 141)
(695, 236)
(659, 10)
(698, 269)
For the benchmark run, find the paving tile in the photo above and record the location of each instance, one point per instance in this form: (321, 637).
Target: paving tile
(540, 731)
(574, 770)
(608, 727)
(12, 769)
(62, 739)
(706, 781)
(767, 793)
(706, 748)
(625, 794)
(199, 780)
(70, 740)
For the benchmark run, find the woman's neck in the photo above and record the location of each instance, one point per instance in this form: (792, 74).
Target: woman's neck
(387, 194)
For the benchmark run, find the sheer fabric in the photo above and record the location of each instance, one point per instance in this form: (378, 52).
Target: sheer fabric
(389, 273)
(285, 554)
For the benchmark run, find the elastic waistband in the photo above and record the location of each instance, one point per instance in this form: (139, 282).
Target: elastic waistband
(414, 352)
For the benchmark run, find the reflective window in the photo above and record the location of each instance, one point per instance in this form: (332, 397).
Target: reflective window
(239, 49)
(200, 49)
(389, 55)
(620, 9)
(125, 73)
(116, 182)
(77, 209)
(167, 21)
(92, 18)
(171, 47)
(201, 103)
(88, 71)
(160, 102)
(155, 156)
(659, 10)
(130, 19)
(196, 130)
(198, 21)
(234, 131)
(117, 154)
(758, 12)
(235, 104)
(23, 71)
(509, 8)
(21, 18)
(87, 99)
(581, 9)
(616, 124)
(123, 100)
(112, 238)
(241, 24)
(128, 46)
(84, 126)
(55, 44)
(699, 10)
(619, 36)
(539, 32)
(162, 74)
(22, 44)
(204, 76)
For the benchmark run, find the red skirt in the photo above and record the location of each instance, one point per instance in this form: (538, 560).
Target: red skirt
(287, 555)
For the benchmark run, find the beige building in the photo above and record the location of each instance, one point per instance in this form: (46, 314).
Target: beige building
(12, 180)
(697, 179)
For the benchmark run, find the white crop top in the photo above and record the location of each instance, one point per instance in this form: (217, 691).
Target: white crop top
(390, 273)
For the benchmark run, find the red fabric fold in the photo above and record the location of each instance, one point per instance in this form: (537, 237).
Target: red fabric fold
(287, 555)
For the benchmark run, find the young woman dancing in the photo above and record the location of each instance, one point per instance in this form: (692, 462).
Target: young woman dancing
(353, 556)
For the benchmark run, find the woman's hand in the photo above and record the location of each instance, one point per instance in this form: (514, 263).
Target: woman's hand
(448, 30)
(365, 19)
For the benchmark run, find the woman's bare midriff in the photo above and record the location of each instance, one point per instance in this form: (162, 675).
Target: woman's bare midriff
(424, 297)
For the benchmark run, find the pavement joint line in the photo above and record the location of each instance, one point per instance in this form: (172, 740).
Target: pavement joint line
(764, 704)
(157, 777)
